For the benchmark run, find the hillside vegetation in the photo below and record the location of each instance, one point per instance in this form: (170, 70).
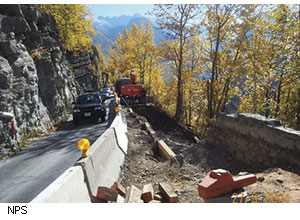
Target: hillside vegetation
(74, 25)
(214, 58)
(232, 58)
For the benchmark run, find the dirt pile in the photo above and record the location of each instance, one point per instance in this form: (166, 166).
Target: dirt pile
(275, 185)
(142, 167)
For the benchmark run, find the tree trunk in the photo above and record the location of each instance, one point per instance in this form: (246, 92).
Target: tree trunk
(150, 75)
(179, 109)
(225, 99)
(223, 96)
(298, 111)
(213, 75)
(190, 111)
(209, 104)
(267, 109)
(278, 96)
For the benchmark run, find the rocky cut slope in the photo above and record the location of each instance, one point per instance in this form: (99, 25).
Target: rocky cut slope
(36, 85)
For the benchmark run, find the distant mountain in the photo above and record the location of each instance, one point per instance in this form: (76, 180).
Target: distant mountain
(108, 29)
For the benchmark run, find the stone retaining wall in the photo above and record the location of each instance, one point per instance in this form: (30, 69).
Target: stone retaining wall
(255, 141)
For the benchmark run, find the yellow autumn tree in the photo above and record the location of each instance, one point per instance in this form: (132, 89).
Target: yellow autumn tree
(135, 48)
(272, 85)
(177, 21)
(102, 66)
(73, 23)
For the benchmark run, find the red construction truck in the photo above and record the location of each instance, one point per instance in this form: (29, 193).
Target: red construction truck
(127, 87)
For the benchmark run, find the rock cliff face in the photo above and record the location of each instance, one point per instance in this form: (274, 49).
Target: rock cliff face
(255, 141)
(82, 67)
(36, 84)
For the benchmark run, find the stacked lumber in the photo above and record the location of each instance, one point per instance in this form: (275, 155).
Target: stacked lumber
(132, 194)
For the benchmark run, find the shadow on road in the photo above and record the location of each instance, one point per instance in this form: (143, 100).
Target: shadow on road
(65, 139)
(69, 125)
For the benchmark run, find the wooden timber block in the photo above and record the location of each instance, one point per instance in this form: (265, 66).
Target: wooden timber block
(107, 194)
(133, 195)
(196, 139)
(120, 199)
(168, 192)
(150, 130)
(157, 197)
(119, 188)
(148, 126)
(98, 200)
(164, 150)
(148, 192)
(154, 201)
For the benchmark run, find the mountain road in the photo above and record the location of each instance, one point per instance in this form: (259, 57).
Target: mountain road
(30, 171)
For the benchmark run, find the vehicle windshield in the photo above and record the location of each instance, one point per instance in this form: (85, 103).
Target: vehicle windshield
(87, 99)
(103, 92)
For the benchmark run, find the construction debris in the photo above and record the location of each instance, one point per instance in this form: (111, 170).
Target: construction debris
(150, 131)
(168, 193)
(155, 201)
(148, 192)
(133, 195)
(120, 199)
(119, 188)
(164, 150)
(260, 179)
(142, 165)
(157, 197)
(196, 139)
(279, 180)
(107, 194)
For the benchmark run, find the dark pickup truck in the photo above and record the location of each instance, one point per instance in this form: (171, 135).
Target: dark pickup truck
(88, 106)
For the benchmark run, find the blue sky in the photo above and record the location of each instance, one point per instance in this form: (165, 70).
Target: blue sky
(112, 10)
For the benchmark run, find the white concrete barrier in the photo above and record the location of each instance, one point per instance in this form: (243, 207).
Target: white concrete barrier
(67, 188)
(120, 126)
(103, 166)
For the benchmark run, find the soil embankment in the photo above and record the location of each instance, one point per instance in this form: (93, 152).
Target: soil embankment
(142, 167)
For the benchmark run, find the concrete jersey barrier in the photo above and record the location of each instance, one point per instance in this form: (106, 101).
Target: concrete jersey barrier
(120, 127)
(102, 167)
(67, 188)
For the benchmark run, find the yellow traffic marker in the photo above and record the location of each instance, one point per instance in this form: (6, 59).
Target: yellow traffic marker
(84, 145)
(117, 109)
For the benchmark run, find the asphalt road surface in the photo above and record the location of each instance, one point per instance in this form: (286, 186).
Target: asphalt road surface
(30, 171)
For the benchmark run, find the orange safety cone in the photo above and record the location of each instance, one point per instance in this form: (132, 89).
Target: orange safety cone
(219, 182)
